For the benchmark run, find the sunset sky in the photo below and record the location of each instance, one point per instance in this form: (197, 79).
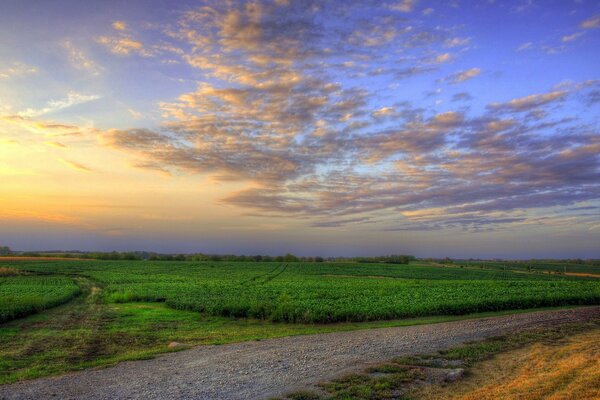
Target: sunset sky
(434, 128)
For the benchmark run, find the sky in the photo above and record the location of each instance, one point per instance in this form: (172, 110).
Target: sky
(334, 128)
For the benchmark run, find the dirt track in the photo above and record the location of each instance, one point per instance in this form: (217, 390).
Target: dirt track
(263, 369)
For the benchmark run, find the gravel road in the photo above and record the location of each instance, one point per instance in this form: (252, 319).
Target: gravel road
(263, 369)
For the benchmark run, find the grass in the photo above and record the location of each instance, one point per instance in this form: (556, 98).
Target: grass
(562, 368)
(89, 333)
(561, 362)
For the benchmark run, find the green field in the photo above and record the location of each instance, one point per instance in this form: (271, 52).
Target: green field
(21, 294)
(322, 292)
(133, 309)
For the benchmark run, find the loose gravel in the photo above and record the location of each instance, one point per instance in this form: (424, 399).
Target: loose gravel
(264, 369)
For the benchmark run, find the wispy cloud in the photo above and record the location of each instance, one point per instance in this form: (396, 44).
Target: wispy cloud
(404, 5)
(525, 46)
(591, 23)
(72, 99)
(122, 41)
(17, 69)
(463, 76)
(530, 102)
(570, 38)
(80, 60)
(75, 165)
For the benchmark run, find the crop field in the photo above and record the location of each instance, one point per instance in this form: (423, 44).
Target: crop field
(26, 294)
(542, 266)
(121, 310)
(317, 292)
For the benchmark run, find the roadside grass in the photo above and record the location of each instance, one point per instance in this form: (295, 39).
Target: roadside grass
(87, 333)
(556, 368)
(559, 363)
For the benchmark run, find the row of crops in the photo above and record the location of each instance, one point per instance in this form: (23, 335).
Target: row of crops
(325, 292)
(22, 295)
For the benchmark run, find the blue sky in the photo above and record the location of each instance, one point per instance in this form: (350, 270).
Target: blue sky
(355, 127)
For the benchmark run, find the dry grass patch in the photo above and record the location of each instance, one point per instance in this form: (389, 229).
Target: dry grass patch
(567, 369)
(6, 271)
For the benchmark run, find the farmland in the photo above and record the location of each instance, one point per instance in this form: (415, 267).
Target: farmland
(22, 294)
(132, 309)
(322, 292)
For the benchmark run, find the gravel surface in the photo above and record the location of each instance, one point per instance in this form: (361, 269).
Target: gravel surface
(263, 369)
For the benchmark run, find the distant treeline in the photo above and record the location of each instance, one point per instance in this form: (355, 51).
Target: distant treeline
(143, 255)
(390, 259)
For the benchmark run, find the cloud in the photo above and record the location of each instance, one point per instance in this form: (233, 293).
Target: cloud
(122, 42)
(47, 128)
(530, 102)
(442, 58)
(461, 96)
(119, 25)
(404, 5)
(278, 110)
(341, 222)
(75, 166)
(570, 38)
(17, 69)
(525, 46)
(591, 23)
(79, 60)
(72, 99)
(123, 45)
(457, 41)
(463, 76)
(58, 145)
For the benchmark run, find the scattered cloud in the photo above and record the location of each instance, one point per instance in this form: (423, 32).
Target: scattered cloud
(58, 145)
(530, 102)
(461, 96)
(80, 60)
(457, 41)
(442, 58)
(72, 99)
(404, 5)
(291, 111)
(123, 45)
(45, 127)
(119, 25)
(463, 76)
(75, 166)
(591, 23)
(570, 38)
(122, 42)
(525, 46)
(17, 69)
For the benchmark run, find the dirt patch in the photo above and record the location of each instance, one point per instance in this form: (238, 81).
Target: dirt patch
(583, 274)
(11, 272)
(360, 276)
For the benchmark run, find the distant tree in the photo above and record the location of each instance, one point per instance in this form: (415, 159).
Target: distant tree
(5, 251)
(318, 259)
(290, 258)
